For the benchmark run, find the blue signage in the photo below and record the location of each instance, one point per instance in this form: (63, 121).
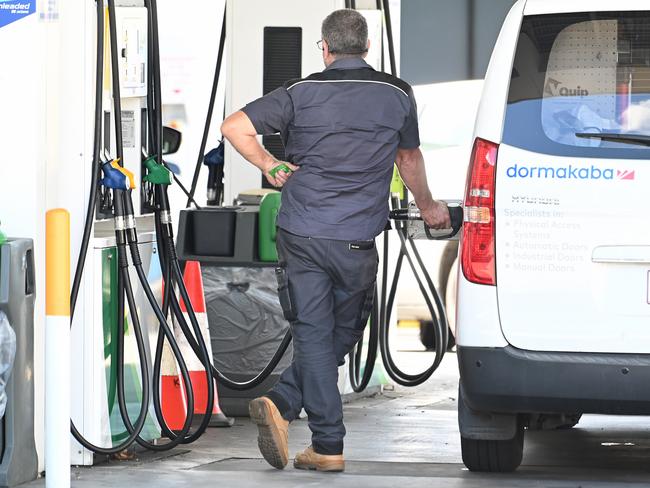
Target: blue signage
(13, 10)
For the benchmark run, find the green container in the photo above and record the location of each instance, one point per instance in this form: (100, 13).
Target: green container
(269, 208)
(3, 238)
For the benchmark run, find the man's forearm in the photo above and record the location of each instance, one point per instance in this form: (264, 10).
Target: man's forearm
(242, 135)
(411, 168)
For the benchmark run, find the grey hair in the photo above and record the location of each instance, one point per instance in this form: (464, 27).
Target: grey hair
(346, 33)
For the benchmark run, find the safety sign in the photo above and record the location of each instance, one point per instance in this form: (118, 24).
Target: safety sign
(13, 10)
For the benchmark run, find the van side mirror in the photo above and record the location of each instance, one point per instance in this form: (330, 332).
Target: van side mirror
(172, 139)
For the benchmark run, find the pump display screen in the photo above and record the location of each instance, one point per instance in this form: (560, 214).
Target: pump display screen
(578, 77)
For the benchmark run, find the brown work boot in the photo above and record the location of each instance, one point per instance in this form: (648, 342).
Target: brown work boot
(309, 459)
(273, 431)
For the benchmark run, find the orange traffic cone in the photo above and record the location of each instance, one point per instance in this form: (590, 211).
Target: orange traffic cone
(172, 394)
(194, 284)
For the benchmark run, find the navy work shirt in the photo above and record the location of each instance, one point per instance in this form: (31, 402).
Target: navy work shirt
(343, 127)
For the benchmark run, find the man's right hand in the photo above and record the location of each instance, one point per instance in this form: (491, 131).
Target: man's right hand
(281, 177)
(436, 215)
(241, 133)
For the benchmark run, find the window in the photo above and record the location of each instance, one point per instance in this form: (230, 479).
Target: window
(578, 78)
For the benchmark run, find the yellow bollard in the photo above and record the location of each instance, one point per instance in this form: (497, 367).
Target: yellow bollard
(57, 349)
(57, 259)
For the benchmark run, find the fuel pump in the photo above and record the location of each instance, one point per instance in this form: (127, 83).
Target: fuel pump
(117, 185)
(114, 183)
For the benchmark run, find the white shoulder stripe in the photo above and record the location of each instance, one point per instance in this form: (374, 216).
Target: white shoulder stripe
(349, 81)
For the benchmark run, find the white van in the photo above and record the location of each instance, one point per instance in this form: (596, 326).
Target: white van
(553, 316)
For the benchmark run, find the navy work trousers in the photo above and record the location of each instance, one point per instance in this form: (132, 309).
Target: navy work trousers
(331, 283)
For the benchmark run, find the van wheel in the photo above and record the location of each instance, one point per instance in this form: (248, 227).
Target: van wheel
(490, 442)
(493, 456)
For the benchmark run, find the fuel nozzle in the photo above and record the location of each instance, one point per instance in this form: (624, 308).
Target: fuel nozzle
(214, 160)
(157, 174)
(114, 177)
(417, 229)
(405, 214)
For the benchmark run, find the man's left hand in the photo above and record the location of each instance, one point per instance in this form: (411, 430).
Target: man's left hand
(436, 215)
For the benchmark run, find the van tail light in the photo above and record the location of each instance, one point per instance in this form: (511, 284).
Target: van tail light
(477, 247)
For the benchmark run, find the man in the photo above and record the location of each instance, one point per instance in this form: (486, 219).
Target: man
(343, 130)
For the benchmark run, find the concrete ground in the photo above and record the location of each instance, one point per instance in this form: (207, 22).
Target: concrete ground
(401, 438)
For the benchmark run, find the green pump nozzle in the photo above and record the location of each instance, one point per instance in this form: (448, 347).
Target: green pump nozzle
(157, 174)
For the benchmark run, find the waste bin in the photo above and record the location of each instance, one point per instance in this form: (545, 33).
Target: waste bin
(246, 328)
(18, 461)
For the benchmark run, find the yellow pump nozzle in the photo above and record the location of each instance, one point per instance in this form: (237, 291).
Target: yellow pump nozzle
(116, 164)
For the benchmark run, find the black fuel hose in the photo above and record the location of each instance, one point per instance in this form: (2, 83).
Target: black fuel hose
(208, 118)
(386, 305)
(165, 331)
(360, 383)
(203, 356)
(159, 345)
(156, 80)
(438, 315)
(125, 283)
(389, 36)
(96, 162)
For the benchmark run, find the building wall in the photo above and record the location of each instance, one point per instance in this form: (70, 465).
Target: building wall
(446, 40)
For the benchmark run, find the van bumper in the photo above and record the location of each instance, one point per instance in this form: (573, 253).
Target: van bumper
(511, 380)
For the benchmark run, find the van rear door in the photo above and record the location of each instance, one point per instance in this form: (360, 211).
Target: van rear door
(573, 181)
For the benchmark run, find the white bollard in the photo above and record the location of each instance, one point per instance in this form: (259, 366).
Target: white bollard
(57, 349)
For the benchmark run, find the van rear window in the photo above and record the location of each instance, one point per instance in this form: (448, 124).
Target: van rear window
(580, 86)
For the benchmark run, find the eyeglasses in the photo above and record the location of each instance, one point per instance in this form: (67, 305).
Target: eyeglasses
(320, 46)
